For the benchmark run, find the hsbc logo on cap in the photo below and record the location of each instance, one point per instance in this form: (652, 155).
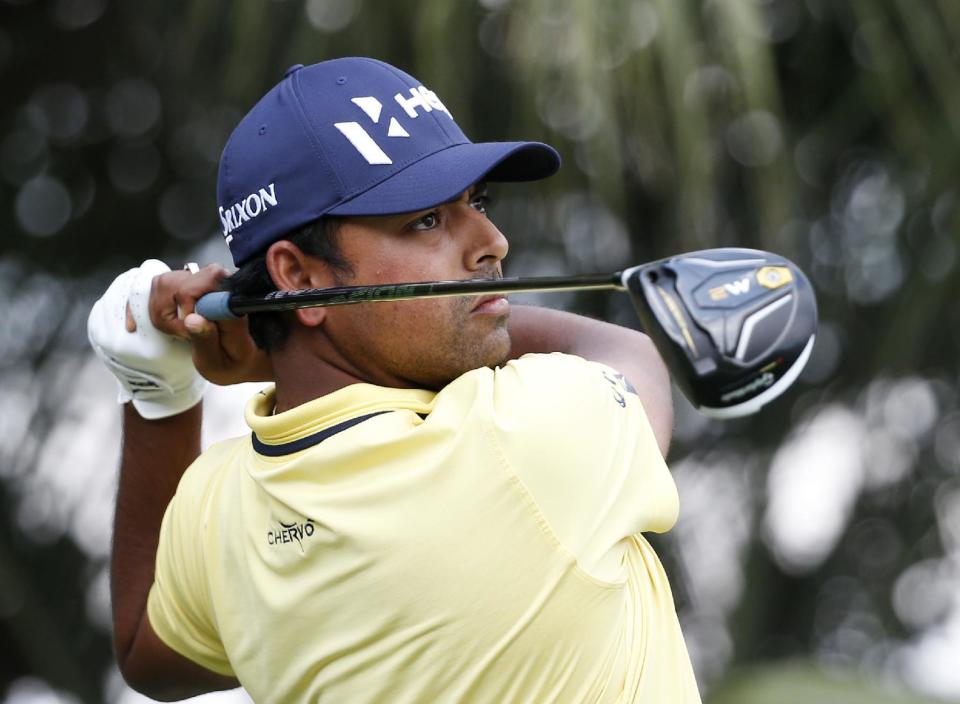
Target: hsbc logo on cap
(420, 98)
(247, 209)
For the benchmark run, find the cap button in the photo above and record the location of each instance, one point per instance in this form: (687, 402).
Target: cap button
(292, 69)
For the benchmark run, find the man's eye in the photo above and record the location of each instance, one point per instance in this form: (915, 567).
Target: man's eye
(427, 222)
(480, 203)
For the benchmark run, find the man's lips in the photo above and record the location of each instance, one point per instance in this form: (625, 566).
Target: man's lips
(494, 304)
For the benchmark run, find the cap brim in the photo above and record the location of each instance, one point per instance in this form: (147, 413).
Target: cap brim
(443, 175)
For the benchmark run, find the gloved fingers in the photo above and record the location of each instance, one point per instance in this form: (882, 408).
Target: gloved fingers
(106, 324)
(153, 369)
(139, 293)
(107, 327)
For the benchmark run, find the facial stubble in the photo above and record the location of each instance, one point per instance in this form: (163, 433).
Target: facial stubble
(425, 343)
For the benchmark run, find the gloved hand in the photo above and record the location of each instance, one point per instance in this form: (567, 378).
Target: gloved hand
(153, 369)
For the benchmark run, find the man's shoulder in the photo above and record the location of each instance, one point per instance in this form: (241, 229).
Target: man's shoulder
(562, 373)
(212, 463)
(553, 366)
(542, 384)
(223, 450)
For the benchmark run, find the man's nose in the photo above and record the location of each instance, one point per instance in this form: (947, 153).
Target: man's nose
(486, 245)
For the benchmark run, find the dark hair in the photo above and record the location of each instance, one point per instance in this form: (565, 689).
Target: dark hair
(317, 239)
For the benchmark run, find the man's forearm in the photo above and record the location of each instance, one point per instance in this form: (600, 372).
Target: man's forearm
(154, 456)
(535, 329)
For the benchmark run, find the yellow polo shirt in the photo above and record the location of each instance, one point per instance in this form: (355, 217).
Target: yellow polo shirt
(479, 544)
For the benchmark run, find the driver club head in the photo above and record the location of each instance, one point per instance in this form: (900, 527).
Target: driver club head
(735, 326)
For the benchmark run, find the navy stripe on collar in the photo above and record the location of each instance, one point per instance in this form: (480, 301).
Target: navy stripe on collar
(288, 448)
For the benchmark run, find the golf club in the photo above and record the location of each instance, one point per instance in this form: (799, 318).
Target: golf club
(735, 326)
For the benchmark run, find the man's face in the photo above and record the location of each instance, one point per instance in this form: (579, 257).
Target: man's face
(427, 342)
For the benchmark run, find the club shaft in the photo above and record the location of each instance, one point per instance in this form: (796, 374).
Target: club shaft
(350, 295)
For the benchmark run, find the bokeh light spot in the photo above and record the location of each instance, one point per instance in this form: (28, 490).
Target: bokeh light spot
(43, 206)
(77, 14)
(923, 594)
(876, 203)
(32, 690)
(133, 107)
(23, 155)
(644, 24)
(707, 84)
(755, 138)
(65, 110)
(814, 479)
(331, 15)
(910, 407)
(947, 443)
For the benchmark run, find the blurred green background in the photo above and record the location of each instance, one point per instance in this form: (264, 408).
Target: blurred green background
(818, 553)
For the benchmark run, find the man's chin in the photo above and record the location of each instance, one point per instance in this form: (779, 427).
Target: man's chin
(499, 351)
(500, 359)
(488, 361)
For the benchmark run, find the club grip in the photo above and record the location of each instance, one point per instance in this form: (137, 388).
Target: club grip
(215, 306)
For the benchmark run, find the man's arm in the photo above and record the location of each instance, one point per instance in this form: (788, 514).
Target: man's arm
(154, 456)
(157, 451)
(630, 352)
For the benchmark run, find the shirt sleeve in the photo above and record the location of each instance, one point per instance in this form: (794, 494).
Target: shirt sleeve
(179, 606)
(577, 436)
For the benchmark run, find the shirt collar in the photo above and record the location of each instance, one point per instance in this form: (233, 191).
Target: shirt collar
(316, 415)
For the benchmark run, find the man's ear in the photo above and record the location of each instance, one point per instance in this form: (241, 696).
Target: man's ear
(291, 270)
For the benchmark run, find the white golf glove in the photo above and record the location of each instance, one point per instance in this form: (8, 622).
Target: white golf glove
(154, 370)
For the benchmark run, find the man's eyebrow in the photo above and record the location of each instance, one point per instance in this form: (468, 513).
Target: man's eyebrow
(478, 187)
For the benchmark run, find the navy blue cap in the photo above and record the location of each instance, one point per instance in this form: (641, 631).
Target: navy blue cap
(352, 136)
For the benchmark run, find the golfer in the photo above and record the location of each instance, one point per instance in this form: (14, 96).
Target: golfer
(439, 500)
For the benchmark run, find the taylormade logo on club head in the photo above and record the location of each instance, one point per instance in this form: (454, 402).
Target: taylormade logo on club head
(247, 209)
(761, 382)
